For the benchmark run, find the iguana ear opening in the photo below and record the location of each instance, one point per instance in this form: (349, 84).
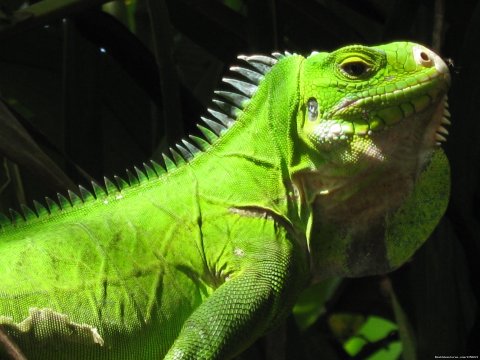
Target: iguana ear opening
(312, 109)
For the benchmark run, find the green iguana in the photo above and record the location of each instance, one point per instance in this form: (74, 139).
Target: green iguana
(313, 167)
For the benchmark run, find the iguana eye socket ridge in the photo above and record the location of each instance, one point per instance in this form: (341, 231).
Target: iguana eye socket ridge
(312, 108)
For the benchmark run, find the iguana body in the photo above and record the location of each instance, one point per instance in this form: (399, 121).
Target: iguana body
(322, 169)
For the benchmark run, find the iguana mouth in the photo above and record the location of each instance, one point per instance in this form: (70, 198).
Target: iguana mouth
(350, 102)
(370, 117)
(372, 122)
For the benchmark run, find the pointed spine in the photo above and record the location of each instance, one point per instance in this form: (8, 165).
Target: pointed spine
(202, 144)
(109, 186)
(224, 119)
(158, 168)
(121, 184)
(236, 99)
(52, 205)
(261, 59)
(229, 110)
(210, 136)
(242, 86)
(40, 209)
(260, 66)
(28, 213)
(151, 173)
(179, 160)
(191, 148)
(85, 194)
(278, 55)
(132, 179)
(16, 217)
(98, 191)
(217, 128)
(63, 202)
(187, 155)
(253, 76)
(75, 200)
(169, 164)
(142, 177)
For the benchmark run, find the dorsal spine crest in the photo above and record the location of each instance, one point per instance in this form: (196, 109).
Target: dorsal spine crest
(230, 107)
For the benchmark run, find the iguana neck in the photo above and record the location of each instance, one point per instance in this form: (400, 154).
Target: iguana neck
(354, 208)
(256, 151)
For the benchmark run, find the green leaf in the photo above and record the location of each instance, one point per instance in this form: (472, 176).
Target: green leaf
(375, 334)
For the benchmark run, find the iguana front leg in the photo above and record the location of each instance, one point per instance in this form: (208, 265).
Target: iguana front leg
(244, 307)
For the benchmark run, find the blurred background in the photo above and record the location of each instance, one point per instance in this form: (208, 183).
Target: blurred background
(90, 87)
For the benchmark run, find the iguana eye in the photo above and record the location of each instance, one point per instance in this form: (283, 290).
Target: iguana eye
(312, 108)
(355, 68)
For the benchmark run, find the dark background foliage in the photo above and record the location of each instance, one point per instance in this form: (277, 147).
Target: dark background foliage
(89, 88)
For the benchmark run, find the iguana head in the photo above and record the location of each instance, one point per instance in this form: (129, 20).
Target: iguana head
(355, 95)
(373, 118)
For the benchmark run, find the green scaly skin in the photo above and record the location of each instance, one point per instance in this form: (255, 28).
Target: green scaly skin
(332, 167)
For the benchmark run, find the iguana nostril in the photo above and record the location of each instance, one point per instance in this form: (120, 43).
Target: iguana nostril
(423, 56)
(427, 58)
